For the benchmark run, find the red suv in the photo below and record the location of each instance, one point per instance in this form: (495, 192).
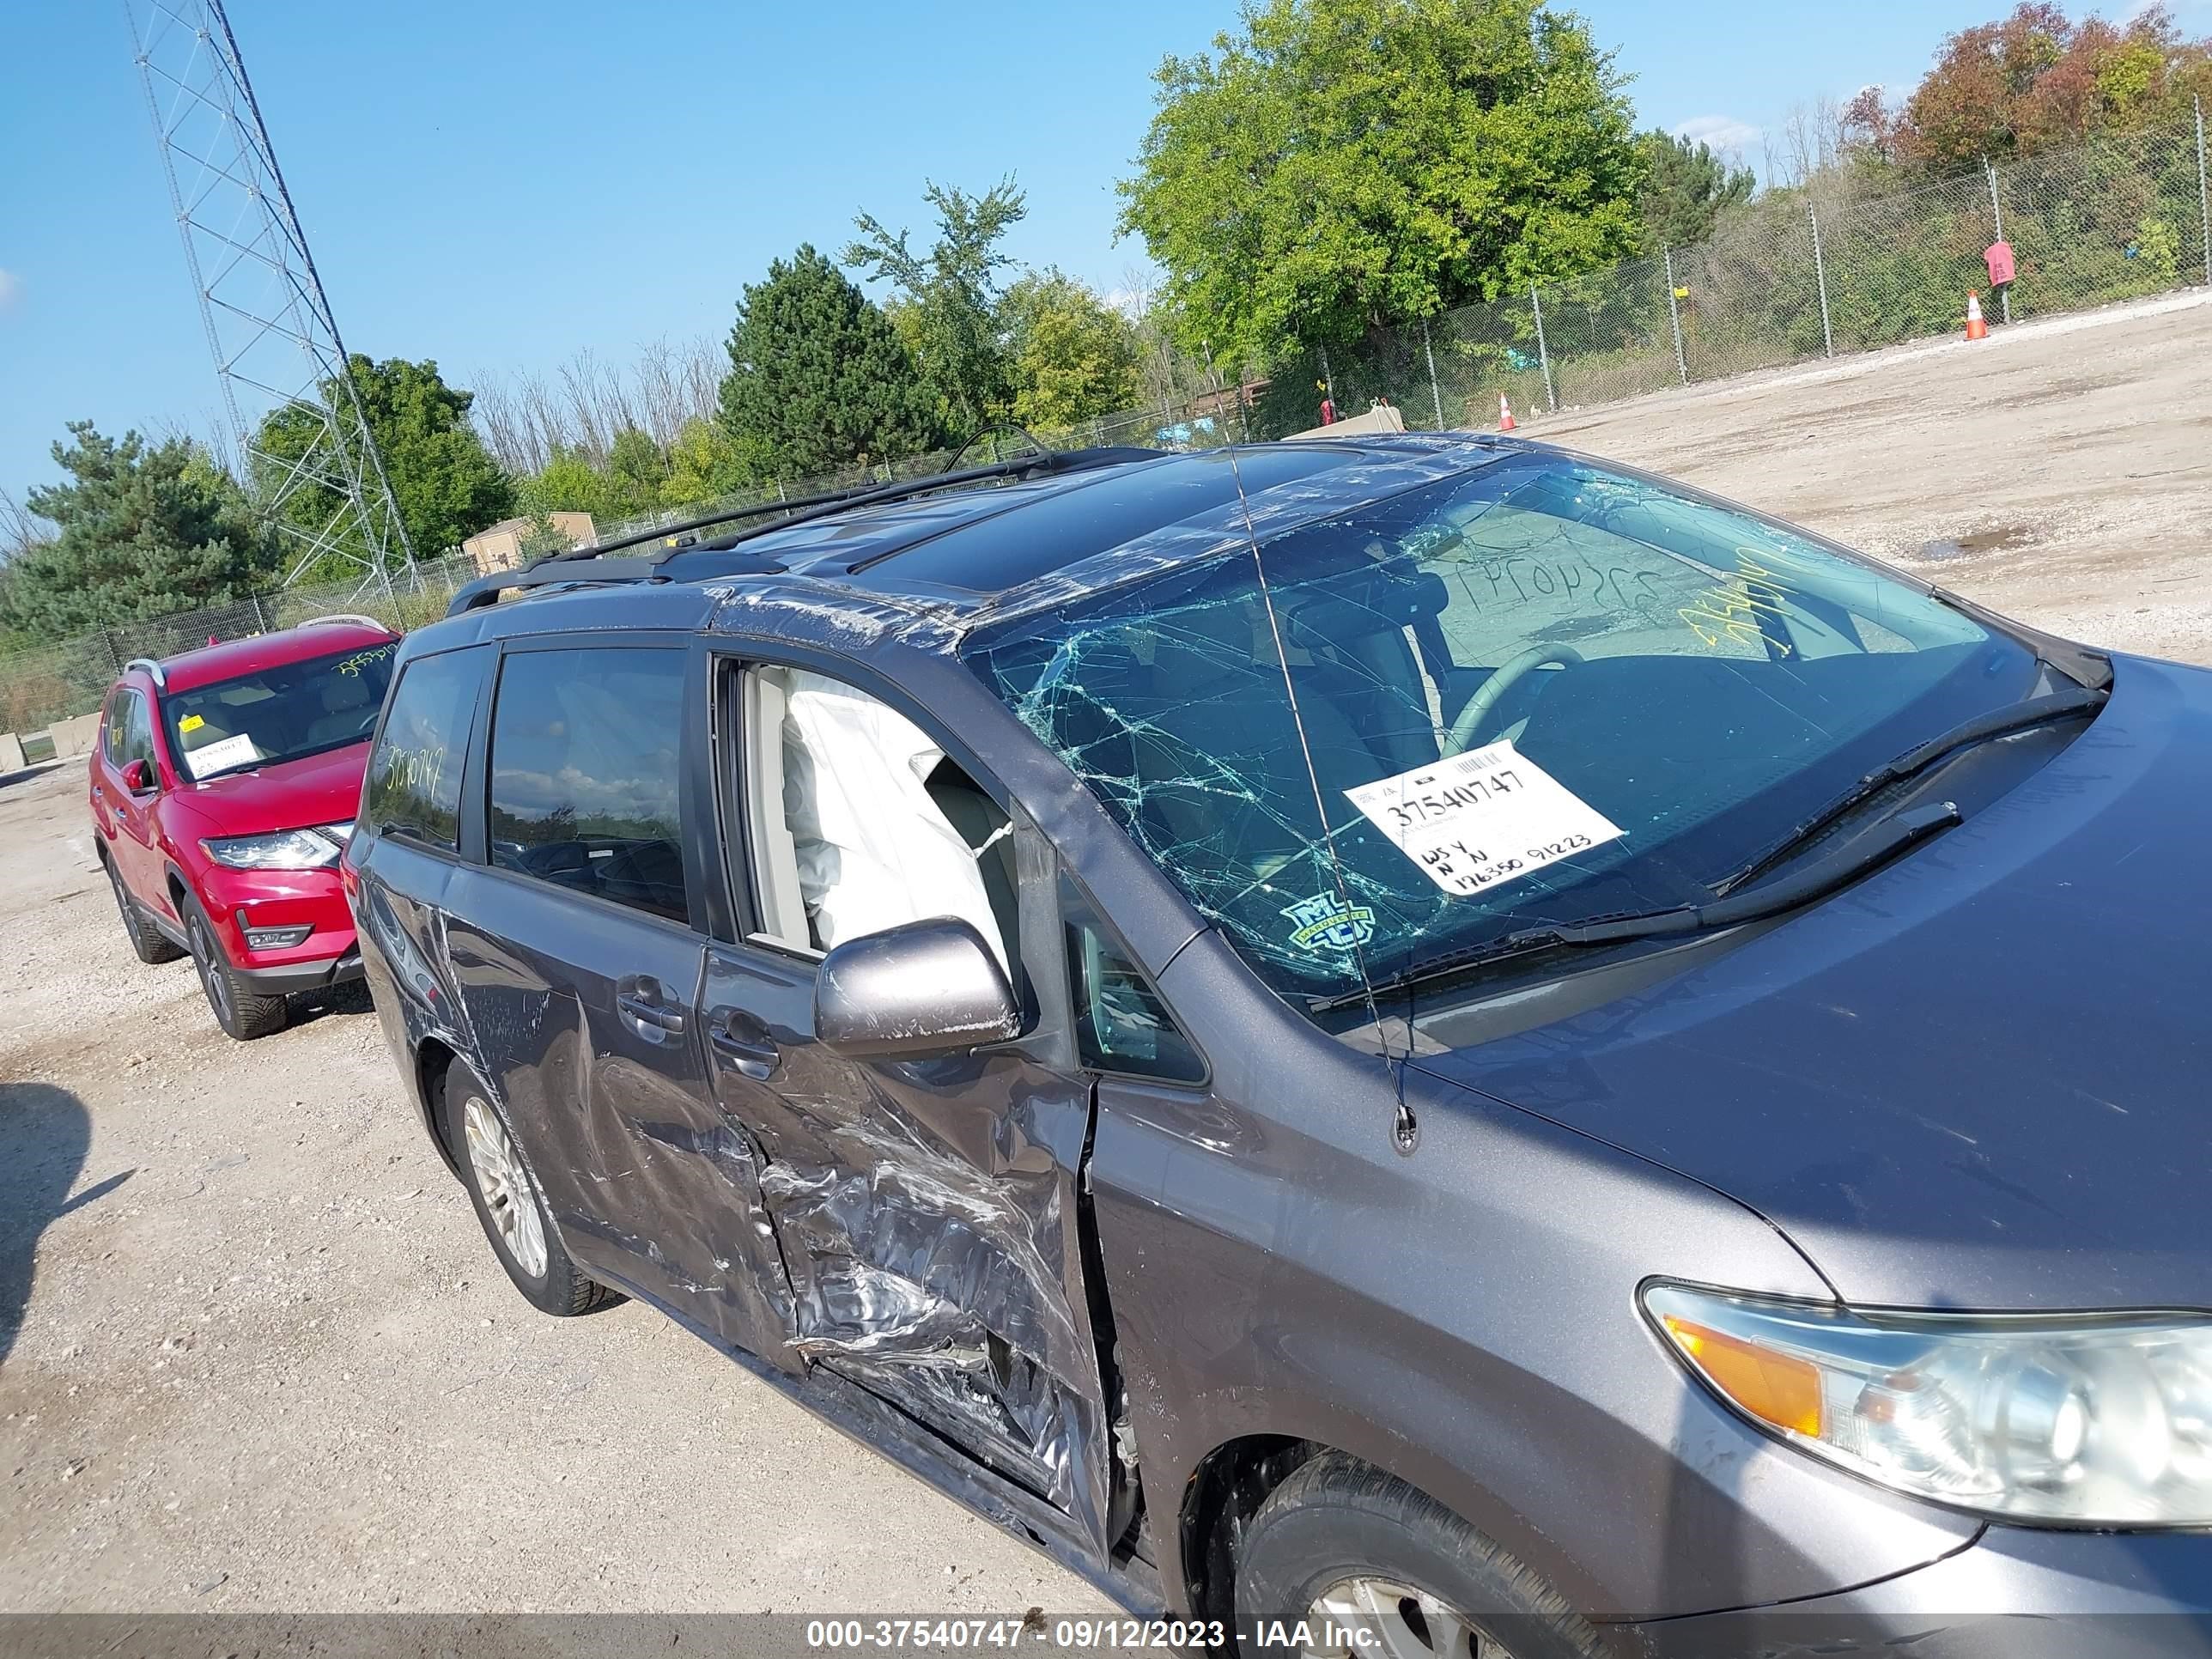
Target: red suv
(224, 786)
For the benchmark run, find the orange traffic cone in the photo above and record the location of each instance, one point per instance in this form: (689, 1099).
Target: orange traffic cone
(1505, 421)
(1977, 328)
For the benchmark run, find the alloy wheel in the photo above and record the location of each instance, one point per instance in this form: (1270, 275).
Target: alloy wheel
(503, 1186)
(1406, 1623)
(211, 975)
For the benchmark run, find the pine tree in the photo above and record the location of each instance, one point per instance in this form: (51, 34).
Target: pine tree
(818, 378)
(140, 532)
(1686, 189)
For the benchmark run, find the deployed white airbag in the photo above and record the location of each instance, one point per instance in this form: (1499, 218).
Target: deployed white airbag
(873, 848)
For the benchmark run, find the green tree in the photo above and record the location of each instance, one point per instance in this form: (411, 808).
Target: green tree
(1687, 188)
(567, 483)
(1343, 165)
(542, 540)
(637, 470)
(1074, 357)
(953, 290)
(818, 378)
(446, 483)
(703, 464)
(139, 531)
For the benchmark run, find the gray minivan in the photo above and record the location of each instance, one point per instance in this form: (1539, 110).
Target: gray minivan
(1398, 1045)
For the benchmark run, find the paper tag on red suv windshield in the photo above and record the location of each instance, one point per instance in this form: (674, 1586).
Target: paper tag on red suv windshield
(223, 752)
(1489, 816)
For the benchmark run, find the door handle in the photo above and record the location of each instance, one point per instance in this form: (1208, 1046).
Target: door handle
(640, 1001)
(741, 1038)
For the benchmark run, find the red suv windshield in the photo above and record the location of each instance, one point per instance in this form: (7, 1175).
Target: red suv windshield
(278, 714)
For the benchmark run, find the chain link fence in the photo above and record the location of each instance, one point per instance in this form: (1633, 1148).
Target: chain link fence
(1818, 271)
(54, 682)
(1801, 274)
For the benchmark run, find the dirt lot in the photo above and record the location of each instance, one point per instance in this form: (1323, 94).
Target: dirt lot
(254, 1354)
(2060, 471)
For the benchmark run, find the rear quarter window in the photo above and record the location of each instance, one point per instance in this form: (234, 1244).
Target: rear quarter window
(413, 789)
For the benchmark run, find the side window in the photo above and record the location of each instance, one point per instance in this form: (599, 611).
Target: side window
(137, 729)
(413, 788)
(113, 721)
(586, 770)
(859, 821)
(1121, 1023)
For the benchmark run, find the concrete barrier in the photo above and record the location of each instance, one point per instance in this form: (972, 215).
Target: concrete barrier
(11, 753)
(1383, 417)
(74, 738)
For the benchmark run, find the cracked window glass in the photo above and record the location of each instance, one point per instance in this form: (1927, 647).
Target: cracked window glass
(1701, 678)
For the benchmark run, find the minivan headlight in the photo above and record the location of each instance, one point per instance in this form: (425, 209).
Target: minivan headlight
(287, 849)
(2101, 1420)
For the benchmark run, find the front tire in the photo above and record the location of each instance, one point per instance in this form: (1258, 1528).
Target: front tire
(148, 943)
(507, 1202)
(243, 1012)
(1340, 1542)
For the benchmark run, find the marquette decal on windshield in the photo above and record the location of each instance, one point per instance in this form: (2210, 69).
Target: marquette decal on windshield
(1489, 816)
(1326, 922)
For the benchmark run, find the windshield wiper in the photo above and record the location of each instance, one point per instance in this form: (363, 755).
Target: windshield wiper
(1997, 723)
(1815, 880)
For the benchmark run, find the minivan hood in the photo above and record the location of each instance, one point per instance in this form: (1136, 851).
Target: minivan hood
(314, 789)
(1981, 1079)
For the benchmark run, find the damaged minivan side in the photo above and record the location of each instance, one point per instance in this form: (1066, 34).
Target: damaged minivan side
(814, 1116)
(1252, 1016)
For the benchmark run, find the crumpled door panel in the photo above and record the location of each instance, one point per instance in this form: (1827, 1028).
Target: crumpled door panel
(939, 1279)
(704, 1182)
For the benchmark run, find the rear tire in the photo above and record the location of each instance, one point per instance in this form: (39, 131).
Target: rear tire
(149, 943)
(1339, 1540)
(243, 1012)
(508, 1204)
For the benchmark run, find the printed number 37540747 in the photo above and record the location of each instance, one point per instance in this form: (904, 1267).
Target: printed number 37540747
(1448, 800)
(1474, 820)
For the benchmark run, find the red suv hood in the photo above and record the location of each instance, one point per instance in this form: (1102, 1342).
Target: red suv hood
(314, 789)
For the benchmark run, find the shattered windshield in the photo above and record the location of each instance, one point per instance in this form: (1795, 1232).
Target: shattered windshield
(1538, 691)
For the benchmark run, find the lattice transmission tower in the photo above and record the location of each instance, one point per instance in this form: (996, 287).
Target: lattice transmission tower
(269, 323)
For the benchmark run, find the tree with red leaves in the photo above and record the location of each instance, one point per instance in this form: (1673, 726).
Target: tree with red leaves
(2037, 79)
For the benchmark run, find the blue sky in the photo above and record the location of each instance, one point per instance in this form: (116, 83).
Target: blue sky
(497, 186)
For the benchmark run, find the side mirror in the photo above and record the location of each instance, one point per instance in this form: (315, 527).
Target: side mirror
(138, 777)
(925, 987)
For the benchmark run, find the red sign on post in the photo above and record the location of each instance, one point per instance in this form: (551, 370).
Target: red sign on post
(1998, 257)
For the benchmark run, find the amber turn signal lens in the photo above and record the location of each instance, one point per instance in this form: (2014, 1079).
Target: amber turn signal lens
(1772, 1387)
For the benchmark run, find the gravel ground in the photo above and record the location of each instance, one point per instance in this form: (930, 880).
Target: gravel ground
(2059, 472)
(254, 1354)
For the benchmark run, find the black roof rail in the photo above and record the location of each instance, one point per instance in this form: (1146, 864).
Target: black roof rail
(590, 564)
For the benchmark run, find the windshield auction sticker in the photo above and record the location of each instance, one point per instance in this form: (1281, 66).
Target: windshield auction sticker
(1489, 816)
(223, 753)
